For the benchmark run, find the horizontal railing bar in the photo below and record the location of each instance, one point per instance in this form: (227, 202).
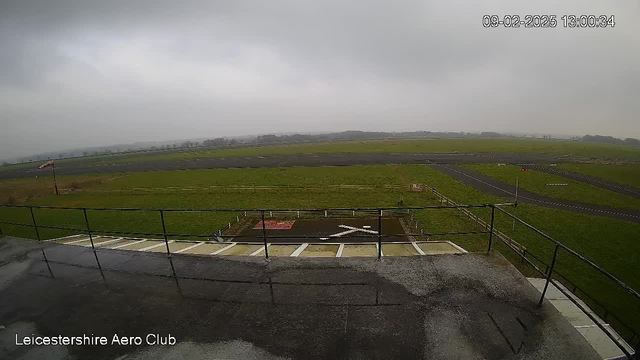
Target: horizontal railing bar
(574, 253)
(242, 210)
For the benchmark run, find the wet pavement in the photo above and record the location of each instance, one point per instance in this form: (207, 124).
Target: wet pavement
(431, 307)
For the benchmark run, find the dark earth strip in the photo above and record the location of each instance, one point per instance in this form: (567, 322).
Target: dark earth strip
(504, 190)
(430, 307)
(282, 161)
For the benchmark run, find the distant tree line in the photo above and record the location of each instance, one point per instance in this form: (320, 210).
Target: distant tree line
(611, 140)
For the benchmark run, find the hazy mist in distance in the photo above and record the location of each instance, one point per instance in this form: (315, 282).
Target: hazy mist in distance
(77, 73)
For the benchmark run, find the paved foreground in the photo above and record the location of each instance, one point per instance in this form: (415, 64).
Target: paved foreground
(431, 307)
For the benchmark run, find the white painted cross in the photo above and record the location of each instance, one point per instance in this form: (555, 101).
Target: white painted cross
(350, 230)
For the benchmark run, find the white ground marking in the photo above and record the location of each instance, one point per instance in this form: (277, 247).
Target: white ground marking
(258, 251)
(65, 237)
(377, 247)
(367, 227)
(156, 245)
(458, 247)
(189, 248)
(417, 248)
(106, 242)
(299, 250)
(125, 245)
(340, 249)
(76, 241)
(324, 239)
(343, 233)
(358, 229)
(223, 249)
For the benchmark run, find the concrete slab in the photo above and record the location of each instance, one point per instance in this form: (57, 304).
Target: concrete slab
(281, 250)
(122, 243)
(399, 250)
(360, 251)
(601, 342)
(438, 248)
(173, 247)
(241, 250)
(206, 249)
(141, 245)
(429, 307)
(320, 251)
(573, 313)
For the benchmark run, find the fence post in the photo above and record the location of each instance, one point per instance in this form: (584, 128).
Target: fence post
(86, 220)
(164, 232)
(493, 214)
(379, 234)
(549, 274)
(35, 226)
(264, 235)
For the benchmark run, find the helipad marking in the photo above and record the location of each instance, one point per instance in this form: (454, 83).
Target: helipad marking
(223, 249)
(299, 250)
(358, 229)
(189, 247)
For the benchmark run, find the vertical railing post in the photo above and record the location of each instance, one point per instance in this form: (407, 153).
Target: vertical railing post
(35, 226)
(164, 232)
(493, 215)
(86, 220)
(549, 274)
(264, 235)
(379, 234)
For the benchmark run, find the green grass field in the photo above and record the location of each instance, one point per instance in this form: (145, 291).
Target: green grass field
(608, 242)
(449, 145)
(536, 181)
(623, 174)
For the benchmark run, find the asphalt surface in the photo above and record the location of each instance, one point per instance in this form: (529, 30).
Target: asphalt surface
(314, 230)
(280, 161)
(498, 188)
(608, 185)
(430, 307)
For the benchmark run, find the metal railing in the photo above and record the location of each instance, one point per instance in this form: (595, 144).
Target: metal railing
(266, 239)
(550, 271)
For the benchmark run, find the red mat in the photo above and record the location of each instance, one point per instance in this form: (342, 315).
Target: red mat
(275, 225)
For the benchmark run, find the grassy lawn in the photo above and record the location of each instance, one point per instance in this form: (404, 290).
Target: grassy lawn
(536, 181)
(610, 243)
(623, 174)
(449, 145)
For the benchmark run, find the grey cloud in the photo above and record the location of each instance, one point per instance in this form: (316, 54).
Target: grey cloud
(77, 73)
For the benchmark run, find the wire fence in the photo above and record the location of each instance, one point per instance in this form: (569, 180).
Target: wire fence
(546, 269)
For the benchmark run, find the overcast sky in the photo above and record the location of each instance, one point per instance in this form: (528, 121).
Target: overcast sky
(84, 73)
